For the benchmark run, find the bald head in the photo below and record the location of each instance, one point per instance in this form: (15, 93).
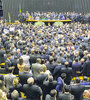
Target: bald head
(30, 80)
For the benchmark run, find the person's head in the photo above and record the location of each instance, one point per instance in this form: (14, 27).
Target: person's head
(38, 60)
(63, 76)
(41, 70)
(77, 53)
(44, 68)
(50, 78)
(76, 60)
(72, 48)
(53, 93)
(77, 80)
(88, 56)
(14, 94)
(58, 62)
(18, 51)
(50, 59)
(66, 64)
(20, 61)
(24, 52)
(8, 56)
(42, 61)
(15, 81)
(85, 53)
(82, 60)
(86, 94)
(30, 80)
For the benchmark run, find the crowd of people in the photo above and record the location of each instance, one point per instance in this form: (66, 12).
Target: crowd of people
(75, 17)
(45, 58)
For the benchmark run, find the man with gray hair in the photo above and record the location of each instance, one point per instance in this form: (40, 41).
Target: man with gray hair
(32, 92)
(15, 96)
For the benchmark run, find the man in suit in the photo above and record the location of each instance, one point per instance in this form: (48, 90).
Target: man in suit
(76, 67)
(32, 92)
(50, 66)
(33, 57)
(66, 95)
(60, 83)
(15, 96)
(35, 67)
(40, 78)
(68, 71)
(77, 90)
(52, 96)
(57, 70)
(86, 67)
(8, 78)
(23, 76)
(49, 85)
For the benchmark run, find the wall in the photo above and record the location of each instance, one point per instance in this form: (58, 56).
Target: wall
(12, 6)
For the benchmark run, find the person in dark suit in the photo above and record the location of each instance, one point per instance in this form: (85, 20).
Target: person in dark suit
(33, 57)
(77, 90)
(16, 86)
(57, 70)
(15, 95)
(52, 96)
(23, 76)
(14, 63)
(35, 67)
(40, 78)
(66, 95)
(50, 66)
(49, 85)
(2, 52)
(32, 92)
(68, 71)
(76, 67)
(60, 83)
(86, 67)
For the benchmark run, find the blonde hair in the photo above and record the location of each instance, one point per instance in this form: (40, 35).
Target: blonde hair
(15, 81)
(44, 68)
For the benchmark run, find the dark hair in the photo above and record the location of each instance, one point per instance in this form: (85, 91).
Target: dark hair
(20, 61)
(50, 78)
(76, 60)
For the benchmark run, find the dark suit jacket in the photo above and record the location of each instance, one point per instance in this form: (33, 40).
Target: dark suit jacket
(50, 67)
(40, 79)
(57, 71)
(86, 68)
(65, 96)
(48, 86)
(68, 72)
(23, 76)
(48, 97)
(32, 92)
(77, 91)
(76, 67)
